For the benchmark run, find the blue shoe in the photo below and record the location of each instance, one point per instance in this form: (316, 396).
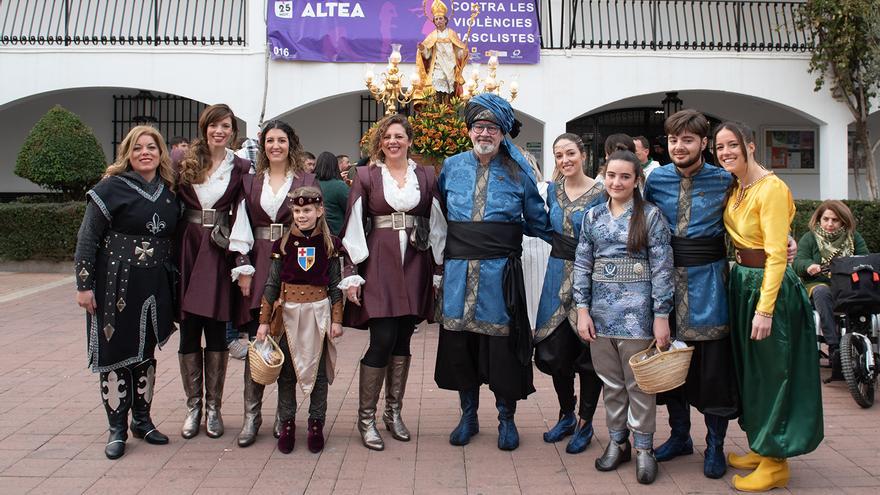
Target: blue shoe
(468, 426)
(565, 427)
(581, 439)
(714, 462)
(674, 447)
(508, 436)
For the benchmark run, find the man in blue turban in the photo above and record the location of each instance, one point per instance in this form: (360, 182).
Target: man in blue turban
(491, 199)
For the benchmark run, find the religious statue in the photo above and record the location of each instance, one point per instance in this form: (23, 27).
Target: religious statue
(442, 56)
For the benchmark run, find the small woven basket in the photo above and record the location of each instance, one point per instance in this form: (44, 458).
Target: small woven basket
(261, 371)
(658, 371)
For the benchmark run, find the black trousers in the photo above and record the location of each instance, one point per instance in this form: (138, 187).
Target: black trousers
(191, 330)
(562, 355)
(465, 360)
(711, 384)
(388, 337)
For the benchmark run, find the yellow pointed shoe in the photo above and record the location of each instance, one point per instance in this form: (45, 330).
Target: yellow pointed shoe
(749, 460)
(771, 473)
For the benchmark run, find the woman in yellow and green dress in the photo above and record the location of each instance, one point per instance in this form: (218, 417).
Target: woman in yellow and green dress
(773, 333)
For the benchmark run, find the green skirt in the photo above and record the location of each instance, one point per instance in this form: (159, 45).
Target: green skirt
(779, 376)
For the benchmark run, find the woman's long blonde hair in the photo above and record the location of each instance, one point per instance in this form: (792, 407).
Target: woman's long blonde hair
(123, 154)
(193, 169)
(314, 192)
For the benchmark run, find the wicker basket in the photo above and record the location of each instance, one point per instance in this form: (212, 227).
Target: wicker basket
(658, 371)
(262, 372)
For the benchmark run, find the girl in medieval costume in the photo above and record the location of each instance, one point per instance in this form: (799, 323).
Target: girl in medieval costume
(773, 335)
(210, 186)
(279, 172)
(558, 352)
(125, 280)
(623, 291)
(302, 284)
(393, 206)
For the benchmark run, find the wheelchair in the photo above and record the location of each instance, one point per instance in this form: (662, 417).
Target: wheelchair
(855, 287)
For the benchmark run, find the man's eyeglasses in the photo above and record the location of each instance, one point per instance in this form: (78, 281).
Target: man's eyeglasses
(489, 128)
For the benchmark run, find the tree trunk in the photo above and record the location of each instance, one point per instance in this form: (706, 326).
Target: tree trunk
(870, 165)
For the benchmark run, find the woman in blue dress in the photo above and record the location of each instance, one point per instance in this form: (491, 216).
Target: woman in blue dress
(623, 291)
(558, 351)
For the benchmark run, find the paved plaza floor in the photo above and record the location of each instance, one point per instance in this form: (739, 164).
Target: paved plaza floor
(53, 430)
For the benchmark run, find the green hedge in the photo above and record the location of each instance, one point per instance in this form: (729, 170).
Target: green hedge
(867, 214)
(41, 231)
(47, 231)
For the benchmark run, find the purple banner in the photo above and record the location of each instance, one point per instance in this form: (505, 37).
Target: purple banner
(364, 31)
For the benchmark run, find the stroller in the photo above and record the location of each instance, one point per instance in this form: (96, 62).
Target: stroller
(855, 288)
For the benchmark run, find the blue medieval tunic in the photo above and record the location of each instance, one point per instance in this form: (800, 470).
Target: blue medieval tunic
(473, 298)
(623, 291)
(693, 207)
(566, 217)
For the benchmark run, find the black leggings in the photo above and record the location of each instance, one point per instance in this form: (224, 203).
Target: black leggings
(388, 337)
(191, 329)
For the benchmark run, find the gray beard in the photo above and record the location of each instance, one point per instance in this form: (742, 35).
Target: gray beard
(485, 149)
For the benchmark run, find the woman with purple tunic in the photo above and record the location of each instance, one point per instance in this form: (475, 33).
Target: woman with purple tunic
(210, 187)
(279, 172)
(392, 207)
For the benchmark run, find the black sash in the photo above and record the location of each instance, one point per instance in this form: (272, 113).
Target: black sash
(697, 251)
(563, 246)
(492, 240)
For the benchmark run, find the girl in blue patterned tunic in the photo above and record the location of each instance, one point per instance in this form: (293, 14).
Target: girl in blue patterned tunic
(623, 290)
(558, 351)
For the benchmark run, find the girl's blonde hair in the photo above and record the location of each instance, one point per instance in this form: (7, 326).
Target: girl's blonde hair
(197, 161)
(122, 163)
(314, 192)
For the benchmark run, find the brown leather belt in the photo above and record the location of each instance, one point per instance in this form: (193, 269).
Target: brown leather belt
(752, 258)
(301, 293)
(272, 232)
(207, 217)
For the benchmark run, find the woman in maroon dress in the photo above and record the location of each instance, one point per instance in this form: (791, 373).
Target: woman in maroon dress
(279, 171)
(210, 187)
(393, 219)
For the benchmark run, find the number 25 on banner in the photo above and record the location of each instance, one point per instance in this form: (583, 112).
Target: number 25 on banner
(284, 9)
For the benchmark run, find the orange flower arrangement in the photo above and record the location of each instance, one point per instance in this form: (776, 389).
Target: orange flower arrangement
(439, 131)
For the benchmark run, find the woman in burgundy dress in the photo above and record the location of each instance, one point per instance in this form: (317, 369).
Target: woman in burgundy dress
(279, 171)
(393, 220)
(210, 187)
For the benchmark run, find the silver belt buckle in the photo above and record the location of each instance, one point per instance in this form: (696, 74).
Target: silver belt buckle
(276, 230)
(398, 220)
(209, 217)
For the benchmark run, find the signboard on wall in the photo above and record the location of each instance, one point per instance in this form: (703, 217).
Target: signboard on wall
(363, 31)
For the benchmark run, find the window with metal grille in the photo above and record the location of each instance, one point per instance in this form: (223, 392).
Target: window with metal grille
(372, 111)
(173, 115)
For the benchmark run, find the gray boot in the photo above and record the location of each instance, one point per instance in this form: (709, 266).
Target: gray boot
(646, 466)
(395, 387)
(215, 379)
(253, 403)
(370, 385)
(191, 374)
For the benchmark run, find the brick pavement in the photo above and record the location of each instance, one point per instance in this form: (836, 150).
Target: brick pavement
(53, 429)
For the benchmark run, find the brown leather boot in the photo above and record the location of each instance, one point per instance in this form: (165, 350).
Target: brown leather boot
(215, 379)
(395, 387)
(370, 385)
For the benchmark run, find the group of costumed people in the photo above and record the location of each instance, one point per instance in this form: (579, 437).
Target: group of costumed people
(631, 261)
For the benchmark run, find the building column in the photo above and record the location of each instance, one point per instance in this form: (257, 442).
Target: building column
(833, 158)
(552, 130)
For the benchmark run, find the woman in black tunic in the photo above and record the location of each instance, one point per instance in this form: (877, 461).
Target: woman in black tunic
(125, 281)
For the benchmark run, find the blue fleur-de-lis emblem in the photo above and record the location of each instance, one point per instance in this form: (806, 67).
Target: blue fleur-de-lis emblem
(305, 256)
(156, 224)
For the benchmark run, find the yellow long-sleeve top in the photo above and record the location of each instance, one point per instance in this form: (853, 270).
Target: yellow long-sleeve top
(761, 220)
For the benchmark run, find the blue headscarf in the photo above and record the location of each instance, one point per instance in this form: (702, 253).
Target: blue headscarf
(491, 107)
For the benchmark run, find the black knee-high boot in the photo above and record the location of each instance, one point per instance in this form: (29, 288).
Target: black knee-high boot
(116, 392)
(143, 384)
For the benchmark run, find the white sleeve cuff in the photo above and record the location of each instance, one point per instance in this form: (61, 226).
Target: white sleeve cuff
(242, 270)
(241, 237)
(352, 281)
(355, 240)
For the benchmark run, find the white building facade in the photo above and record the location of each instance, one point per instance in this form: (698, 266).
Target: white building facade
(768, 88)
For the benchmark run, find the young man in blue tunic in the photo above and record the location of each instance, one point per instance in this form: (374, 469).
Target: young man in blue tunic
(691, 195)
(491, 199)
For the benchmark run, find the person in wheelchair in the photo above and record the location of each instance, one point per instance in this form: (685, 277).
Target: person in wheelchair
(832, 234)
